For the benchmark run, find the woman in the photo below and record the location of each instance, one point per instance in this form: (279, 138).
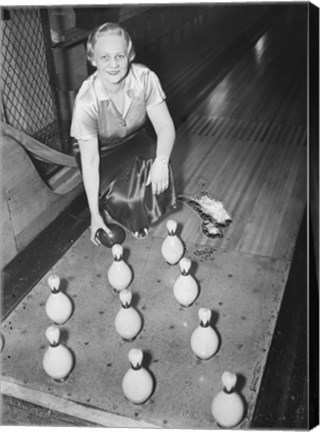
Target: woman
(123, 168)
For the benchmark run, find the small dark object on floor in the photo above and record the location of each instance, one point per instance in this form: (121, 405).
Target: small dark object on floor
(117, 235)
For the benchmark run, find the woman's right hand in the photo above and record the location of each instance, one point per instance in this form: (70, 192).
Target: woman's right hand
(97, 223)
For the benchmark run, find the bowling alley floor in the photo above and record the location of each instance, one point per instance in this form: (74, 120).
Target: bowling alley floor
(245, 145)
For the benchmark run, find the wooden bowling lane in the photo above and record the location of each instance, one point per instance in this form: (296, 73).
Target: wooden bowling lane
(242, 290)
(246, 146)
(269, 83)
(262, 187)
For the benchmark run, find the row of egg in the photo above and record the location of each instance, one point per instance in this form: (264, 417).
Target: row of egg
(137, 384)
(57, 360)
(228, 406)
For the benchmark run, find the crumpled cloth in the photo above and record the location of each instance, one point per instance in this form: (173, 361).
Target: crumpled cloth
(212, 212)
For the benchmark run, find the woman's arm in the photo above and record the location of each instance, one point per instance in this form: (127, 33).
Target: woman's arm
(165, 130)
(90, 161)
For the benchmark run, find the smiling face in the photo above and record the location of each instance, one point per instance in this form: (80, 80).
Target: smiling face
(111, 58)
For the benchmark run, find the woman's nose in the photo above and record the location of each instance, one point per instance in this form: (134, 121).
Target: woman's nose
(113, 62)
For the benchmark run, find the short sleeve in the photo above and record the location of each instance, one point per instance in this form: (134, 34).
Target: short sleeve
(84, 123)
(154, 92)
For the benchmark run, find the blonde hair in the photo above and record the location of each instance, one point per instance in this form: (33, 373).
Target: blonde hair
(111, 28)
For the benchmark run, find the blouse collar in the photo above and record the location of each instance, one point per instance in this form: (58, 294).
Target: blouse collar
(101, 92)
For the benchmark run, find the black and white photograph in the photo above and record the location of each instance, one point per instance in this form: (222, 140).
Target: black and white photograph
(160, 215)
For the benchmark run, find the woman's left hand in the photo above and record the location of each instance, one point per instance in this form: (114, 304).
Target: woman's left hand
(158, 176)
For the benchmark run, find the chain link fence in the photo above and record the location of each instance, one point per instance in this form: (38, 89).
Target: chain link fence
(28, 95)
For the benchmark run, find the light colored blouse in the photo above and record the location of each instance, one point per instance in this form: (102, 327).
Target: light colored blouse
(95, 115)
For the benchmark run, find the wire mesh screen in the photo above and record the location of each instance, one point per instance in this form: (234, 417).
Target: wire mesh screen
(28, 99)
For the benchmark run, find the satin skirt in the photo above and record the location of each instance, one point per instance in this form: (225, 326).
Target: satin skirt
(124, 195)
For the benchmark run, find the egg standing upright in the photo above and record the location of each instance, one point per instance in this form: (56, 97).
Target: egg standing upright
(58, 306)
(119, 273)
(137, 383)
(185, 288)
(228, 407)
(204, 339)
(172, 248)
(128, 322)
(57, 360)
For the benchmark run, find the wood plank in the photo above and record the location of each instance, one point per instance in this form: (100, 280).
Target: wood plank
(260, 233)
(251, 155)
(67, 407)
(263, 187)
(17, 412)
(276, 89)
(290, 216)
